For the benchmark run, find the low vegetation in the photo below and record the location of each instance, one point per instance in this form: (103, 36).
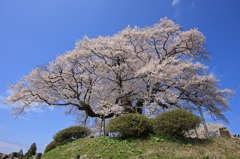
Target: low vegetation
(130, 126)
(67, 135)
(71, 133)
(175, 122)
(140, 137)
(150, 148)
(52, 145)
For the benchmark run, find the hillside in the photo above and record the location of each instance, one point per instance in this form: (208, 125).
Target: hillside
(152, 148)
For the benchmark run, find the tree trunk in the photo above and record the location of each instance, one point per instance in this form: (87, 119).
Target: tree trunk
(85, 119)
(90, 113)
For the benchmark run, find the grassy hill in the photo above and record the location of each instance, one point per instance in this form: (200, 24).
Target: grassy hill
(151, 148)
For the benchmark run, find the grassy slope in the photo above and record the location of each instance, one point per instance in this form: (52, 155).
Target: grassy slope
(152, 148)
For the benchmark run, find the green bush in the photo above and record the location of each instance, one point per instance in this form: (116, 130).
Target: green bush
(71, 133)
(52, 145)
(130, 126)
(175, 122)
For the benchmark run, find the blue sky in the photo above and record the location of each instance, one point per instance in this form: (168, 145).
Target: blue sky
(33, 33)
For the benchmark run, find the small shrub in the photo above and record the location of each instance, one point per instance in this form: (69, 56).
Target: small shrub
(152, 122)
(175, 122)
(52, 145)
(130, 126)
(71, 133)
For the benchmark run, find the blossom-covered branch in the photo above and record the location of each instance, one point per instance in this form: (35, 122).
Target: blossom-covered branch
(155, 67)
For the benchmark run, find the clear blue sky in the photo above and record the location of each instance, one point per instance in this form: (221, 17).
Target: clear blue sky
(33, 33)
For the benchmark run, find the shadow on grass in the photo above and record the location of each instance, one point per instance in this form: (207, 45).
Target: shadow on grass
(173, 139)
(181, 140)
(195, 141)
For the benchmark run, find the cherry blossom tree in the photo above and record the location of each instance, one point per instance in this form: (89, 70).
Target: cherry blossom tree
(153, 68)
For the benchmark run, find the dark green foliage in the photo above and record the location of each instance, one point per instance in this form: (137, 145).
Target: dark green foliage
(32, 151)
(20, 154)
(50, 146)
(130, 126)
(67, 135)
(71, 133)
(175, 122)
(152, 122)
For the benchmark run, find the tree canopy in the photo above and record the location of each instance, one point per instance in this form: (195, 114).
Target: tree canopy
(31, 152)
(153, 67)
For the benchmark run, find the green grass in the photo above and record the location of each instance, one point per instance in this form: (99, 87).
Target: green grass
(151, 148)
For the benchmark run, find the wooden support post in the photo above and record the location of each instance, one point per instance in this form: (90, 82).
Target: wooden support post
(104, 131)
(101, 126)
